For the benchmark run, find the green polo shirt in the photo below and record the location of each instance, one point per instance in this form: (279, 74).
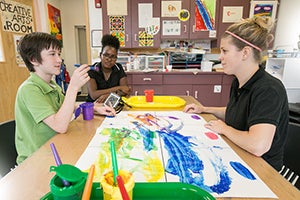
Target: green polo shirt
(35, 101)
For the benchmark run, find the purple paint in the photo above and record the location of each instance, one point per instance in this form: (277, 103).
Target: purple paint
(172, 117)
(196, 117)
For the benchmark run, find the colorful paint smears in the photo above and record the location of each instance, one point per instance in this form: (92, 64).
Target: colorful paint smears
(172, 147)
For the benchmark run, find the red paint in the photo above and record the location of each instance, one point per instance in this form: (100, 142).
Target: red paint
(212, 135)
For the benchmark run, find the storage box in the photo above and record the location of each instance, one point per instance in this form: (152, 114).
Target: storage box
(155, 62)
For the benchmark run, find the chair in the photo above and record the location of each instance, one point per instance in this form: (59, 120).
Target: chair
(291, 161)
(8, 152)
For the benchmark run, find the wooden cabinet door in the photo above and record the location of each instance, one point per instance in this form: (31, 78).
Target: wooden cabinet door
(170, 22)
(204, 29)
(205, 94)
(226, 85)
(180, 90)
(233, 3)
(150, 13)
(204, 88)
(139, 89)
(119, 25)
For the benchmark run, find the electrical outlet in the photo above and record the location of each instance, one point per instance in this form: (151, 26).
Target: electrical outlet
(217, 88)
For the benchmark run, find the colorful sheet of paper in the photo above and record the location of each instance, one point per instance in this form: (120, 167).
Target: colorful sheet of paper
(172, 147)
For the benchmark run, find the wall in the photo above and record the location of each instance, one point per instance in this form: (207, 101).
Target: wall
(73, 14)
(11, 75)
(95, 23)
(288, 25)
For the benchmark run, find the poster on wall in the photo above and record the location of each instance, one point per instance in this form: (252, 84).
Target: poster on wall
(263, 9)
(19, 59)
(205, 14)
(170, 8)
(55, 22)
(16, 17)
(117, 28)
(232, 14)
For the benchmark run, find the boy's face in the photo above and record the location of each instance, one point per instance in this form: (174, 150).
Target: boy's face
(51, 62)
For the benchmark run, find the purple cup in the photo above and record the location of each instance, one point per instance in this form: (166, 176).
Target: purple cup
(87, 110)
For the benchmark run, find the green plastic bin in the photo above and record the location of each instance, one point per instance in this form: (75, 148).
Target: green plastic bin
(150, 191)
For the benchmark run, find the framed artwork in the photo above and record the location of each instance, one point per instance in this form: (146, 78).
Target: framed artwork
(96, 37)
(263, 9)
(55, 22)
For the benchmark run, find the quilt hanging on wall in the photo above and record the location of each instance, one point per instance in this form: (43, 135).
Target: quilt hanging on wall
(172, 146)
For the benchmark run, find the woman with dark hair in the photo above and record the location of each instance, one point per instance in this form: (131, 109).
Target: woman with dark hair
(107, 76)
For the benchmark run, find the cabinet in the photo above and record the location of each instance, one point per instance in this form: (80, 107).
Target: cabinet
(200, 86)
(193, 27)
(245, 4)
(213, 8)
(141, 82)
(117, 24)
(206, 87)
(170, 24)
(132, 29)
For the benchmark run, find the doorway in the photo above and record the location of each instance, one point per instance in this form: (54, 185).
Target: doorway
(81, 50)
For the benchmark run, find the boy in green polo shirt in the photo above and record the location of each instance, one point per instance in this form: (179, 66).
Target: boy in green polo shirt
(41, 109)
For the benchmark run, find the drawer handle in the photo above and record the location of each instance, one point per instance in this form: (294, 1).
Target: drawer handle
(187, 93)
(126, 37)
(136, 93)
(147, 79)
(184, 27)
(196, 94)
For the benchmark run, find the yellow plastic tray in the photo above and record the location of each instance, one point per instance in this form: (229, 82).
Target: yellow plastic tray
(159, 103)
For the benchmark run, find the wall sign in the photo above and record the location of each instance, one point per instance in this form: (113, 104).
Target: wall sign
(16, 17)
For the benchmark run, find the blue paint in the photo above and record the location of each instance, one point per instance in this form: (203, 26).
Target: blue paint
(242, 170)
(148, 137)
(183, 161)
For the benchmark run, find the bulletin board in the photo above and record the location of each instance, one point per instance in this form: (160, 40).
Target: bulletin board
(172, 146)
(11, 74)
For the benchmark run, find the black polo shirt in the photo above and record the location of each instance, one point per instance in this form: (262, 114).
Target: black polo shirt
(262, 99)
(114, 79)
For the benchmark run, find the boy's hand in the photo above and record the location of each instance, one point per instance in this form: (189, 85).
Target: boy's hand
(80, 77)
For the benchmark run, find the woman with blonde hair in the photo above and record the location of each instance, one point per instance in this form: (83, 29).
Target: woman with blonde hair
(256, 116)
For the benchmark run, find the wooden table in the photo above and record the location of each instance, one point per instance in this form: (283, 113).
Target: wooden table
(31, 179)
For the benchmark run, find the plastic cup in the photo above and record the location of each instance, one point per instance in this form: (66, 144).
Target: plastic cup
(74, 176)
(149, 95)
(87, 110)
(206, 66)
(111, 191)
(169, 68)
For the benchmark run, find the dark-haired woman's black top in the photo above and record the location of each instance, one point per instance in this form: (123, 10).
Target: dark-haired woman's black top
(114, 79)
